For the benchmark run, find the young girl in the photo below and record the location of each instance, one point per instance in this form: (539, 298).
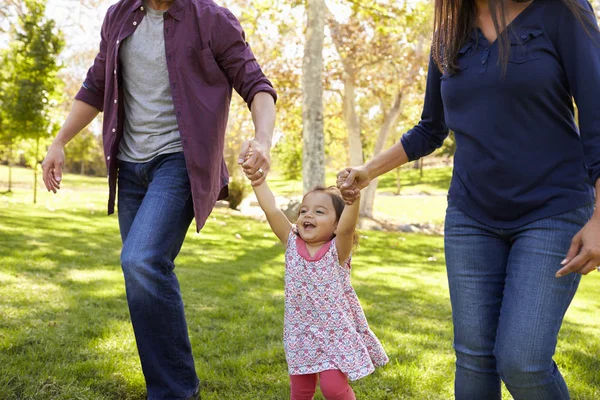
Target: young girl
(326, 334)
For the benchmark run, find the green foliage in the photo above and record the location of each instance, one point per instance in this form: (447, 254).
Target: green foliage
(31, 87)
(84, 154)
(238, 189)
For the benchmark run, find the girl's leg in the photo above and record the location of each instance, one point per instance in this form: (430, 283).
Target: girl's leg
(334, 385)
(476, 257)
(534, 305)
(303, 387)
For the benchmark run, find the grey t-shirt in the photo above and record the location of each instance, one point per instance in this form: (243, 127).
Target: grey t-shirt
(150, 122)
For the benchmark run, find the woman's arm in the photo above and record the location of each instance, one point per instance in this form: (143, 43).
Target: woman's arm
(344, 234)
(578, 46)
(279, 223)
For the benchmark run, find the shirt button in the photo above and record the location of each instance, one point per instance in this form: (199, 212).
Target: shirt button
(134, 23)
(483, 61)
(115, 71)
(108, 158)
(117, 42)
(114, 130)
(142, 8)
(115, 101)
(523, 37)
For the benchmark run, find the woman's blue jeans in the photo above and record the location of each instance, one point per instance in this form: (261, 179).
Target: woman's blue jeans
(507, 305)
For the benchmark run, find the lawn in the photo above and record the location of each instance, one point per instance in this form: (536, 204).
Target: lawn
(65, 330)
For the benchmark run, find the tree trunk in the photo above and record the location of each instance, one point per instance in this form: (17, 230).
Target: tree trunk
(82, 167)
(35, 165)
(10, 164)
(368, 197)
(313, 164)
(349, 97)
(352, 122)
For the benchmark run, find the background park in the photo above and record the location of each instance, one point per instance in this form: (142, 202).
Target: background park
(64, 324)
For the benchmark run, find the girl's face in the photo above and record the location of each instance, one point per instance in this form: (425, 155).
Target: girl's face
(317, 220)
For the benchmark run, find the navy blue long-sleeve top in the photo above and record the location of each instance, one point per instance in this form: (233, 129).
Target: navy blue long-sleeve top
(519, 153)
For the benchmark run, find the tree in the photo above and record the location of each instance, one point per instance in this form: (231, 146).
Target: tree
(5, 138)
(382, 53)
(313, 160)
(31, 88)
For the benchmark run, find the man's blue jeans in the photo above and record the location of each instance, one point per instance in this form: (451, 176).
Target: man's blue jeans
(155, 212)
(507, 306)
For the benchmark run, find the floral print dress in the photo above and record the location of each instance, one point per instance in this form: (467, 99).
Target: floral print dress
(325, 327)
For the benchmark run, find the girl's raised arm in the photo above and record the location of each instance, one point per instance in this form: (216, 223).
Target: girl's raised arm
(344, 234)
(279, 223)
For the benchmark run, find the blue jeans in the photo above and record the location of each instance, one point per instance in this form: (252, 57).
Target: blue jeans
(507, 306)
(155, 212)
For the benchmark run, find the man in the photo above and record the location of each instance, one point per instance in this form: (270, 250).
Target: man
(163, 77)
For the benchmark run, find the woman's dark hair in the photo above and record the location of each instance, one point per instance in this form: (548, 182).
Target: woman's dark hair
(338, 203)
(454, 20)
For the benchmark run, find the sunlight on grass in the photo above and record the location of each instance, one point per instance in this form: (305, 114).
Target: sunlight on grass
(409, 209)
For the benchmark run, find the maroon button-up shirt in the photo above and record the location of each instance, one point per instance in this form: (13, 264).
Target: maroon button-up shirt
(207, 55)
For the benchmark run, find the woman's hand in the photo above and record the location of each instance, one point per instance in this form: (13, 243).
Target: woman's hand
(583, 256)
(350, 181)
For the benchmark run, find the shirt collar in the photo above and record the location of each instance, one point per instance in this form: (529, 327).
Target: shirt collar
(176, 10)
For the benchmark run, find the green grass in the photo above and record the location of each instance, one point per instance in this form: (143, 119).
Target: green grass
(65, 330)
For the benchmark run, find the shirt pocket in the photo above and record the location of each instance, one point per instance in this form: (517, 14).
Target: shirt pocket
(466, 50)
(523, 46)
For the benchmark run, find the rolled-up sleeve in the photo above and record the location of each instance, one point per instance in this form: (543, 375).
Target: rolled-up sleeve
(431, 131)
(92, 90)
(579, 48)
(235, 57)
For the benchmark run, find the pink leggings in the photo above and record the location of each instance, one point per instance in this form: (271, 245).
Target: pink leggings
(334, 385)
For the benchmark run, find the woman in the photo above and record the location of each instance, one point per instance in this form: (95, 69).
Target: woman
(503, 76)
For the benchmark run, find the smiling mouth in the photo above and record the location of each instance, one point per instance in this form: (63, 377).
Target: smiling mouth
(308, 226)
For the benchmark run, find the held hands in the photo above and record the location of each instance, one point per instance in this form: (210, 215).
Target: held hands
(583, 256)
(255, 161)
(350, 181)
(52, 167)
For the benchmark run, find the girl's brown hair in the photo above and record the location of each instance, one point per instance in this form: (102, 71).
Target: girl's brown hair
(454, 20)
(338, 204)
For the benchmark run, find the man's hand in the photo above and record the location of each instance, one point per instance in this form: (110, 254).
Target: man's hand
(350, 181)
(257, 165)
(52, 167)
(584, 254)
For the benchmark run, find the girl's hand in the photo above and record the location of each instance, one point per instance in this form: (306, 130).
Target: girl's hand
(350, 181)
(255, 161)
(583, 256)
(245, 158)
